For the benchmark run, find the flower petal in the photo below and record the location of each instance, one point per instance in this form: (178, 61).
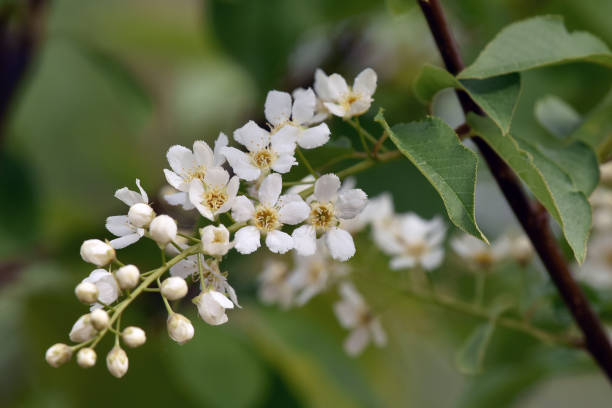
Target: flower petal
(305, 240)
(279, 242)
(402, 262)
(128, 196)
(220, 143)
(246, 240)
(270, 189)
(283, 163)
(365, 82)
(340, 244)
(203, 154)
(278, 107)
(337, 87)
(357, 341)
(350, 203)
(283, 141)
(432, 259)
(181, 159)
(181, 198)
(221, 299)
(175, 180)
(303, 106)
(242, 209)
(314, 137)
(216, 177)
(335, 109)
(321, 85)
(294, 212)
(124, 241)
(252, 136)
(143, 193)
(326, 187)
(241, 163)
(119, 225)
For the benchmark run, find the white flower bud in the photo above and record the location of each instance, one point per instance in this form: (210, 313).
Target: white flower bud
(140, 215)
(86, 292)
(163, 229)
(58, 354)
(127, 276)
(99, 319)
(117, 362)
(174, 288)
(180, 328)
(86, 357)
(97, 252)
(215, 240)
(83, 330)
(133, 336)
(211, 306)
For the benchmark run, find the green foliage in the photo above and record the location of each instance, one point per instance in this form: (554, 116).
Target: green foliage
(433, 147)
(596, 129)
(557, 116)
(534, 43)
(470, 356)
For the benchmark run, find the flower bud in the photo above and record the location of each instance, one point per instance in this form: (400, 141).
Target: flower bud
(163, 229)
(180, 328)
(174, 288)
(97, 252)
(83, 330)
(127, 276)
(86, 292)
(58, 354)
(211, 306)
(99, 319)
(86, 357)
(140, 215)
(117, 362)
(133, 336)
(215, 240)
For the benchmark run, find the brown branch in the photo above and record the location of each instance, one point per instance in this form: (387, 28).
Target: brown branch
(532, 215)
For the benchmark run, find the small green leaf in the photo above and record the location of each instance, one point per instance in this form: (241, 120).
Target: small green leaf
(497, 96)
(548, 181)
(579, 161)
(470, 356)
(596, 129)
(557, 116)
(433, 147)
(534, 43)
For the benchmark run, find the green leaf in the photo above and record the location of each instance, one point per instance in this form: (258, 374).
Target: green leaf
(534, 43)
(546, 179)
(579, 162)
(557, 116)
(596, 129)
(434, 148)
(470, 356)
(498, 96)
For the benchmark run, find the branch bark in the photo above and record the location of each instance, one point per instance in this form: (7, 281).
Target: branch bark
(532, 216)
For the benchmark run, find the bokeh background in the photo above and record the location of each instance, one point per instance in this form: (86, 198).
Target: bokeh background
(114, 83)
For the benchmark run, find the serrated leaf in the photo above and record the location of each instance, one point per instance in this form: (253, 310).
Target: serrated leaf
(596, 129)
(550, 184)
(470, 356)
(557, 116)
(534, 43)
(497, 96)
(434, 148)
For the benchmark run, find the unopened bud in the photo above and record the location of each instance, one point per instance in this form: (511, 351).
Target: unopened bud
(97, 252)
(86, 292)
(174, 288)
(117, 362)
(127, 276)
(99, 319)
(133, 336)
(86, 357)
(163, 229)
(58, 354)
(180, 328)
(140, 215)
(83, 330)
(215, 240)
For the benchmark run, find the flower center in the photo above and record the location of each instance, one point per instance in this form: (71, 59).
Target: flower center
(266, 219)
(484, 259)
(416, 249)
(196, 173)
(322, 216)
(316, 271)
(263, 158)
(214, 199)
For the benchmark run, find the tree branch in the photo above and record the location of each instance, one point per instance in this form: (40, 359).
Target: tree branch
(531, 215)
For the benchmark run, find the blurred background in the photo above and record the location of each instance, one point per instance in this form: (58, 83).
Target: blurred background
(103, 88)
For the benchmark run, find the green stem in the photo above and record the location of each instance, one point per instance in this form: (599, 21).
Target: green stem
(305, 162)
(168, 307)
(480, 281)
(236, 226)
(188, 237)
(363, 133)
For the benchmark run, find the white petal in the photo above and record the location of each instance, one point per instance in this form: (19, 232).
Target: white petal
(321, 85)
(378, 334)
(284, 163)
(283, 141)
(216, 177)
(246, 240)
(270, 189)
(203, 154)
(350, 203)
(232, 188)
(185, 268)
(294, 212)
(304, 106)
(402, 262)
(143, 193)
(180, 159)
(119, 225)
(305, 240)
(279, 242)
(220, 298)
(359, 106)
(241, 163)
(181, 198)
(196, 191)
(335, 109)
(242, 209)
(340, 244)
(326, 187)
(220, 143)
(175, 180)
(433, 259)
(357, 341)
(278, 107)
(252, 136)
(126, 240)
(337, 86)
(314, 137)
(128, 196)
(365, 82)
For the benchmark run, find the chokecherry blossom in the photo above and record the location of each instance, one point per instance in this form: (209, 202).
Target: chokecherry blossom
(320, 111)
(108, 289)
(477, 253)
(342, 100)
(119, 225)
(274, 287)
(214, 194)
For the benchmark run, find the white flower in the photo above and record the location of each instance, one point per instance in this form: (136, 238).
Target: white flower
(354, 314)
(97, 252)
(83, 329)
(180, 328)
(417, 242)
(174, 288)
(117, 362)
(211, 306)
(596, 270)
(330, 205)
(140, 215)
(58, 354)
(188, 165)
(521, 249)
(272, 212)
(186, 267)
(128, 276)
(86, 292)
(477, 253)
(99, 319)
(215, 194)
(86, 357)
(133, 336)
(342, 100)
(320, 111)
(163, 229)
(215, 240)
(281, 112)
(274, 285)
(265, 151)
(119, 225)
(108, 290)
